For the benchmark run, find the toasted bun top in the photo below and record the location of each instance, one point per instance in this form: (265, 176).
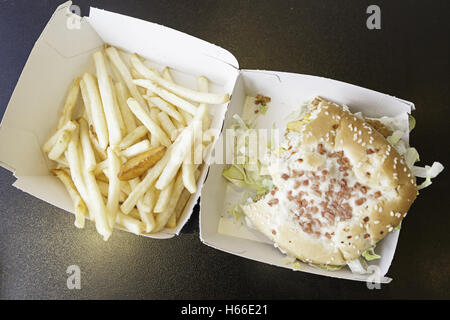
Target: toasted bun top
(339, 188)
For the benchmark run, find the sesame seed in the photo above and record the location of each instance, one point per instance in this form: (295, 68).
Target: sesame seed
(380, 209)
(390, 229)
(376, 222)
(392, 213)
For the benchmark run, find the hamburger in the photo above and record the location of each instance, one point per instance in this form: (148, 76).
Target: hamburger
(340, 184)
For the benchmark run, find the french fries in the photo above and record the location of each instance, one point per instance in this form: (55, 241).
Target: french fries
(133, 137)
(98, 117)
(80, 206)
(111, 110)
(127, 115)
(182, 147)
(127, 161)
(139, 164)
(167, 125)
(166, 95)
(202, 97)
(124, 72)
(69, 105)
(136, 149)
(144, 117)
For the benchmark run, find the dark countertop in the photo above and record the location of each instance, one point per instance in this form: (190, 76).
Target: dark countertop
(409, 58)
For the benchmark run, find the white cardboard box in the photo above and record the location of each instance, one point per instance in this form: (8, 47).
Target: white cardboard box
(287, 90)
(64, 50)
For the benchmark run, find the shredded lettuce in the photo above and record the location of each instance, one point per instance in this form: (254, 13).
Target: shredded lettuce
(247, 171)
(395, 137)
(358, 266)
(412, 122)
(263, 109)
(328, 267)
(236, 211)
(370, 254)
(428, 173)
(411, 156)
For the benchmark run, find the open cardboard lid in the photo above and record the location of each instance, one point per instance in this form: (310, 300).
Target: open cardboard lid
(62, 52)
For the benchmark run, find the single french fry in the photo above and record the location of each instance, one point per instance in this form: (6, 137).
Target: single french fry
(164, 198)
(188, 176)
(95, 201)
(98, 116)
(133, 137)
(167, 125)
(182, 201)
(111, 110)
(168, 76)
(167, 95)
(73, 158)
(123, 128)
(88, 154)
(136, 149)
(147, 217)
(139, 164)
(127, 115)
(112, 205)
(79, 205)
(166, 107)
(60, 145)
(86, 102)
(129, 223)
(143, 186)
(69, 105)
(140, 205)
(154, 116)
(182, 146)
(181, 91)
(172, 222)
(143, 116)
(163, 217)
(123, 70)
(203, 86)
(50, 143)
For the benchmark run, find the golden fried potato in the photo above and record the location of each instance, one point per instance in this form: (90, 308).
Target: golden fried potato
(140, 163)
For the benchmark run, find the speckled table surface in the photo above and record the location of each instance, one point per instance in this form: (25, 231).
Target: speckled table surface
(408, 58)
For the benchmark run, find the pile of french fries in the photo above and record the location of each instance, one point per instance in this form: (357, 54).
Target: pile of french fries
(133, 157)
